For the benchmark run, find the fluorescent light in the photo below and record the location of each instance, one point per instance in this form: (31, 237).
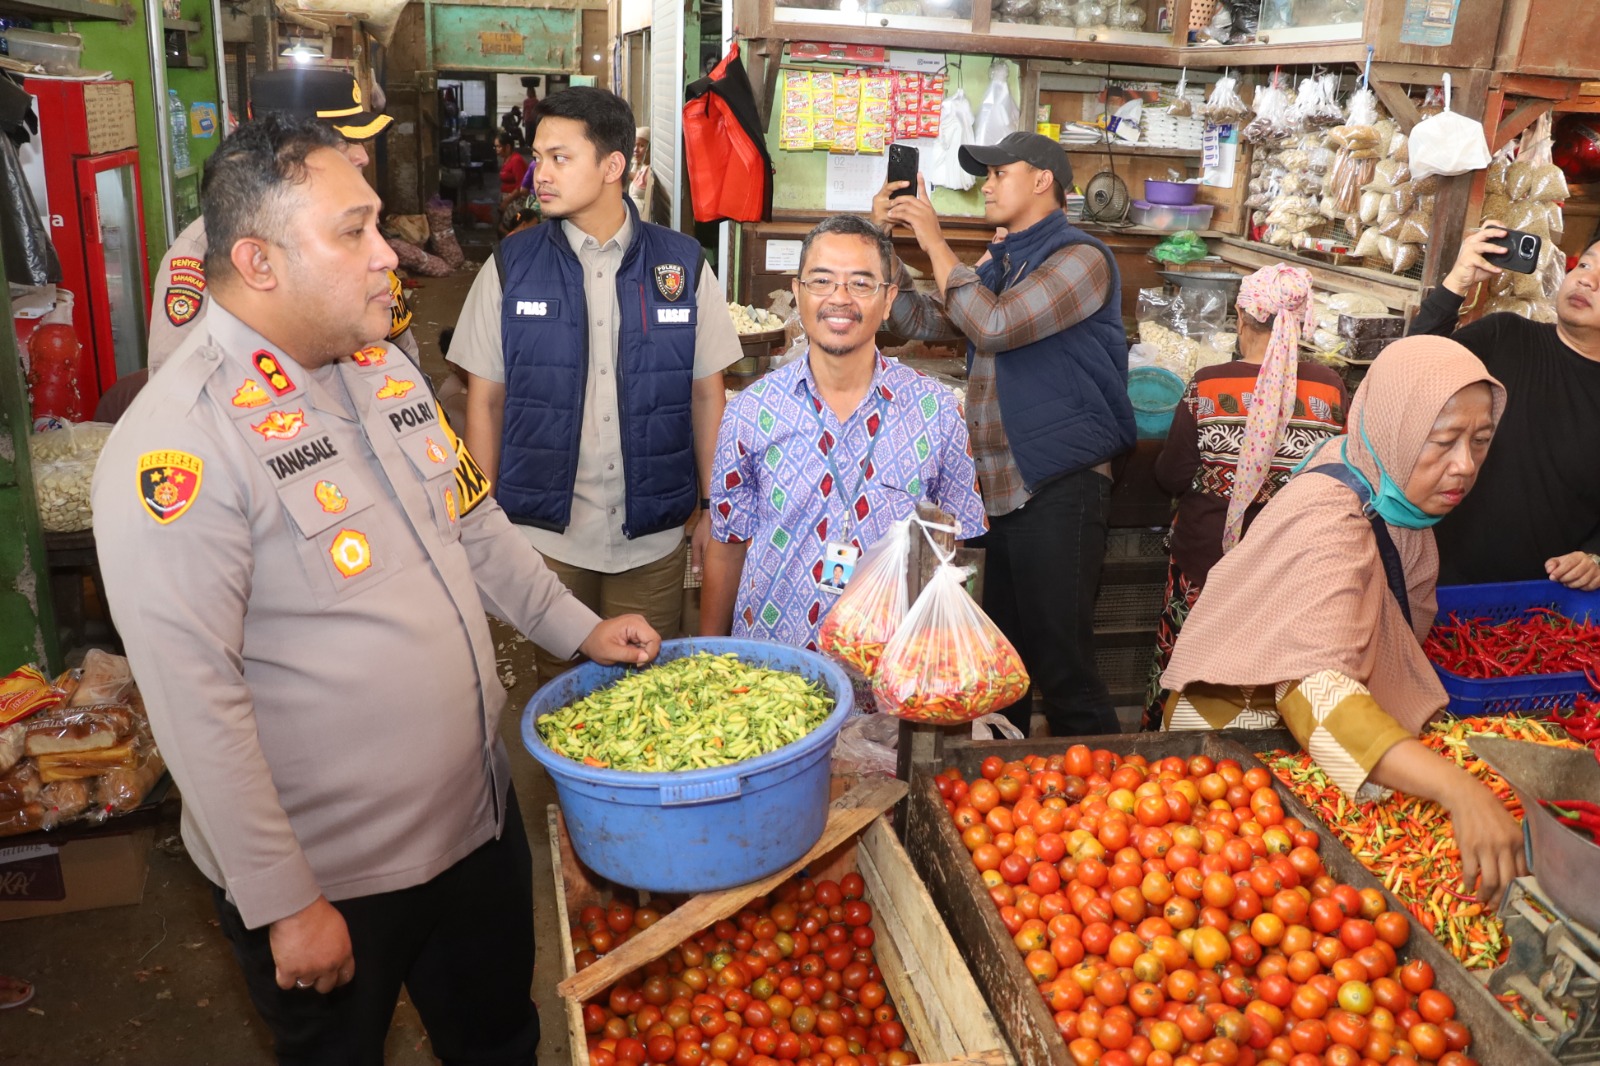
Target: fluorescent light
(301, 52)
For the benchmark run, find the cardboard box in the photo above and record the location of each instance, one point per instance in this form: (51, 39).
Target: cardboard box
(81, 874)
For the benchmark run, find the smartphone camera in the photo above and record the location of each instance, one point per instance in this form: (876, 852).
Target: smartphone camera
(1528, 246)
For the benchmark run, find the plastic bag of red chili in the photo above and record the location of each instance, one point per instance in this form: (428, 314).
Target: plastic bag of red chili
(949, 662)
(873, 604)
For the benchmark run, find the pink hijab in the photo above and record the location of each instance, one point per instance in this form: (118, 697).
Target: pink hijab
(1306, 591)
(1285, 292)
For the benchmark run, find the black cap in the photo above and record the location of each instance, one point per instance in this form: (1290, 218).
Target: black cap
(333, 96)
(1035, 149)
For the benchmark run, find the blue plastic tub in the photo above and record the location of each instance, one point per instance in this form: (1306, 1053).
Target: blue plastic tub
(1155, 393)
(698, 830)
(1499, 603)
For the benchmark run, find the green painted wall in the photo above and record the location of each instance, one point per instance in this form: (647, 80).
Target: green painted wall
(196, 86)
(801, 176)
(27, 623)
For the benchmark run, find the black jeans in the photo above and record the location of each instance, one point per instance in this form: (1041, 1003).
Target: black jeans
(1042, 571)
(462, 944)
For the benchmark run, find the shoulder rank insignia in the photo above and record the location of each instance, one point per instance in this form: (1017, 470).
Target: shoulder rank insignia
(450, 505)
(350, 552)
(281, 425)
(272, 371)
(669, 280)
(393, 389)
(169, 481)
(250, 395)
(435, 452)
(182, 305)
(370, 357)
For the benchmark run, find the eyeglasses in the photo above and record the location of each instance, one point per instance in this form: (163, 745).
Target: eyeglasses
(860, 288)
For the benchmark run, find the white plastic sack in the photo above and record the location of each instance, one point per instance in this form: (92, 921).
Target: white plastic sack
(998, 114)
(942, 165)
(1447, 143)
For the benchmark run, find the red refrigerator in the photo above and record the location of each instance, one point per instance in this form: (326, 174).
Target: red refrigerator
(88, 157)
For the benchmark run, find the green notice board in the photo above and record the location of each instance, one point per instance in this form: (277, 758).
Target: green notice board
(801, 177)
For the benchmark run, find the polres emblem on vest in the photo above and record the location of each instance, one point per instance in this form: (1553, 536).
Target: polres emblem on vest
(669, 280)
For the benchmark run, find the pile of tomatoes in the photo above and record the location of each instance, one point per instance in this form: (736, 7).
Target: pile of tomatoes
(791, 982)
(1171, 915)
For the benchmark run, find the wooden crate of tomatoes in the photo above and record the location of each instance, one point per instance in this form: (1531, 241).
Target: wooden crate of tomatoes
(1161, 899)
(847, 966)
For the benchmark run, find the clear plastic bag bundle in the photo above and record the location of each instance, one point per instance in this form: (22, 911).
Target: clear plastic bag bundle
(1272, 120)
(1224, 105)
(1181, 107)
(873, 605)
(63, 469)
(949, 662)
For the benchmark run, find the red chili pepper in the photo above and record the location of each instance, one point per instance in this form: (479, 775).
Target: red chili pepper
(1541, 641)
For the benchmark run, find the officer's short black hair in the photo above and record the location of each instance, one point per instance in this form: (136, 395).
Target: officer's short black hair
(247, 179)
(851, 226)
(607, 119)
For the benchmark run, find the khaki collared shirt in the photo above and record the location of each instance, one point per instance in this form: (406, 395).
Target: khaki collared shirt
(179, 302)
(299, 563)
(593, 538)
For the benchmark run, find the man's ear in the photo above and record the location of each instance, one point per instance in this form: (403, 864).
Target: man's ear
(889, 293)
(252, 264)
(1041, 181)
(616, 167)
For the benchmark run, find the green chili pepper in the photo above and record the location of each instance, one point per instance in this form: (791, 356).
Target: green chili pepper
(697, 712)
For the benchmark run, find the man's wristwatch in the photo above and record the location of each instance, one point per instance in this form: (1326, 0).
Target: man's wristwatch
(705, 505)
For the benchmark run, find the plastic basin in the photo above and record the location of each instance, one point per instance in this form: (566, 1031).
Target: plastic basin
(1155, 393)
(1177, 193)
(698, 830)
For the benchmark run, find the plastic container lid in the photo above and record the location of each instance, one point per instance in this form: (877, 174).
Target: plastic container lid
(1187, 209)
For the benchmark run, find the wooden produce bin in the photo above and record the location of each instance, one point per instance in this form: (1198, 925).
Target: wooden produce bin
(944, 1015)
(946, 868)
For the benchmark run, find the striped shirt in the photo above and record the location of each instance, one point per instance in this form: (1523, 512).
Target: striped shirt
(1064, 290)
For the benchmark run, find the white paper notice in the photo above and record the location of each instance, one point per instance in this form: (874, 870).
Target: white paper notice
(783, 257)
(853, 180)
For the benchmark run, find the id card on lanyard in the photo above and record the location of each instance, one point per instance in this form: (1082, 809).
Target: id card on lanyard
(839, 556)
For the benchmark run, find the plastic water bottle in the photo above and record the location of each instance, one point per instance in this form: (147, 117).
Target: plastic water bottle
(178, 117)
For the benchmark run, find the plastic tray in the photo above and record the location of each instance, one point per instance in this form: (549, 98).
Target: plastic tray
(1499, 603)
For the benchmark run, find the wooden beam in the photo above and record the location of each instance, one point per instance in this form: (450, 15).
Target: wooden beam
(1396, 292)
(849, 814)
(1395, 97)
(1545, 88)
(1526, 114)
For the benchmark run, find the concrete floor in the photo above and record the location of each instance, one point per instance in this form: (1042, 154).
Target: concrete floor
(156, 984)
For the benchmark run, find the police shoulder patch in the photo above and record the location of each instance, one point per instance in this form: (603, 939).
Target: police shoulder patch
(169, 482)
(182, 305)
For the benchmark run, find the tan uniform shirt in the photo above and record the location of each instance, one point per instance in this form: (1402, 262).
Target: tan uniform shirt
(299, 564)
(593, 538)
(180, 299)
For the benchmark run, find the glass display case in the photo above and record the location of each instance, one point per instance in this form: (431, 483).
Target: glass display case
(933, 16)
(1300, 21)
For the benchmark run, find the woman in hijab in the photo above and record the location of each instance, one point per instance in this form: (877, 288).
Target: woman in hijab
(640, 181)
(1316, 619)
(1241, 427)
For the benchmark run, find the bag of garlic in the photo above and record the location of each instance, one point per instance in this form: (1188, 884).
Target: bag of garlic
(63, 462)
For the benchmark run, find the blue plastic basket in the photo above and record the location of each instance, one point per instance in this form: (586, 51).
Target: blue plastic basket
(696, 830)
(1500, 603)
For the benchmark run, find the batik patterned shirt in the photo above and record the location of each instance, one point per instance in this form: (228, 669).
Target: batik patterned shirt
(773, 484)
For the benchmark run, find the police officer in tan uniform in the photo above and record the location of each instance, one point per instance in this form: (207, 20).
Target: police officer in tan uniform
(298, 552)
(333, 96)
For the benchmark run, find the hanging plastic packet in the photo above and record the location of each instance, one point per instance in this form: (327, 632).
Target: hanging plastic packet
(949, 662)
(873, 604)
(941, 164)
(998, 114)
(1224, 106)
(1272, 110)
(1448, 143)
(1182, 106)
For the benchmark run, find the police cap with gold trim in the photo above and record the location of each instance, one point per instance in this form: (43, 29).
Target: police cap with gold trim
(333, 96)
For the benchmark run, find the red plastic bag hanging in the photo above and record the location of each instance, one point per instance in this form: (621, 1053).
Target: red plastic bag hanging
(948, 662)
(725, 148)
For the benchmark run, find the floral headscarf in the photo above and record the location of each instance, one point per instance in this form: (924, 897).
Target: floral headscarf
(1285, 292)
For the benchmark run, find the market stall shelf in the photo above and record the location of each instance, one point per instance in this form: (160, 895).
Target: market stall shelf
(946, 867)
(945, 1018)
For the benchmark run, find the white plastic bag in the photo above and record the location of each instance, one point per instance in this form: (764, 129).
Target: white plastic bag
(1447, 143)
(998, 114)
(942, 164)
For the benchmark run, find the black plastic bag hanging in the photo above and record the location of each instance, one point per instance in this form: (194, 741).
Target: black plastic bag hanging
(30, 258)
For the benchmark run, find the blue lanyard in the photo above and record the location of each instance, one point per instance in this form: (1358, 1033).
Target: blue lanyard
(833, 467)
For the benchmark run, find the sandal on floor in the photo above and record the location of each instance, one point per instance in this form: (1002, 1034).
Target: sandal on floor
(14, 993)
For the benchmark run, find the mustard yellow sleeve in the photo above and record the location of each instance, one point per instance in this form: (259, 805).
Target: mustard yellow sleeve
(1340, 725)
